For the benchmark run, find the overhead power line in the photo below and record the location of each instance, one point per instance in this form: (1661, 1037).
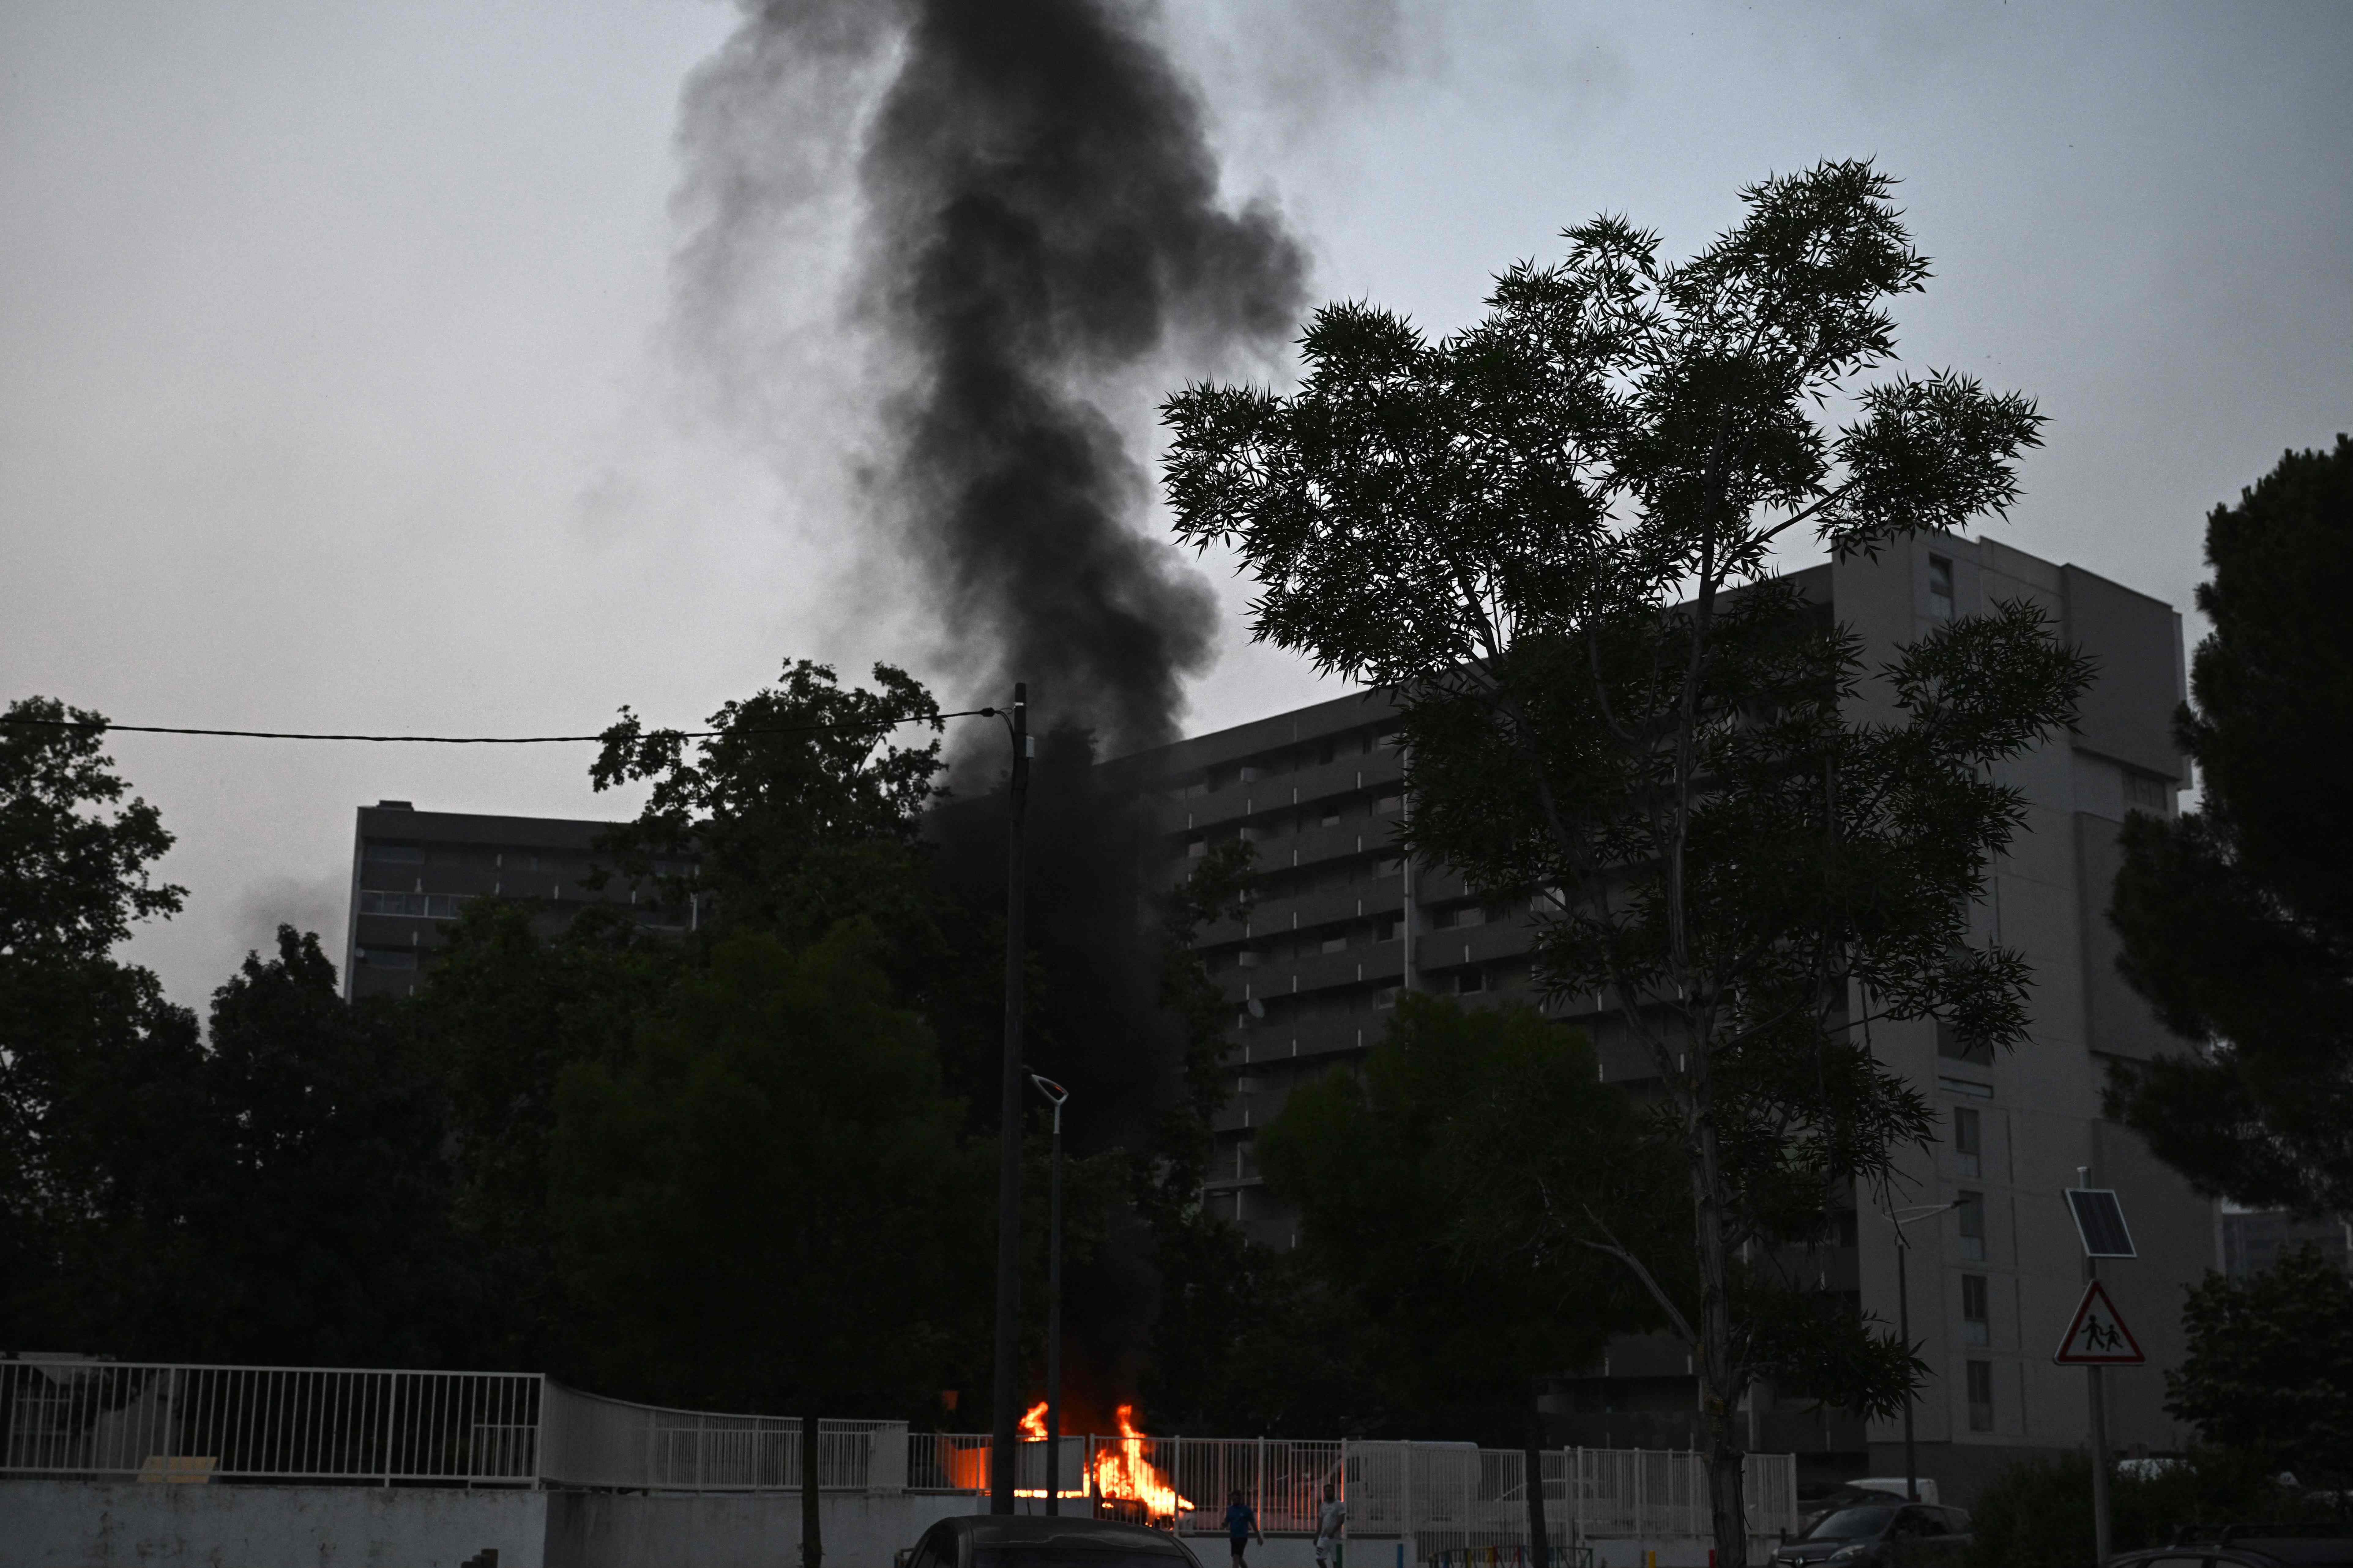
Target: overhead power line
(884, 723)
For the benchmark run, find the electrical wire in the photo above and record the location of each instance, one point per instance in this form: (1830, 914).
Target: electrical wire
(102, 725)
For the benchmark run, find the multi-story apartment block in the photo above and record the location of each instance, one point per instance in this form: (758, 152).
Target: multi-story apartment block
(1343, 922)
(2255, 1239)
(412, 872)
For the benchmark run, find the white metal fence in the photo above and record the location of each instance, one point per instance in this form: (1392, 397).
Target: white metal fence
(1445, 1495)
(105, 1418)
(270, 1422)
(597, 1442)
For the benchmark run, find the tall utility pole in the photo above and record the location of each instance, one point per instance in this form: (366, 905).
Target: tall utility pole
(1055, 1095)
(1899, 1218)
(1004, 1445)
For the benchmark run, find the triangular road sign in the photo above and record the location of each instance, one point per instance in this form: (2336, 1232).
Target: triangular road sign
(2097, 1337)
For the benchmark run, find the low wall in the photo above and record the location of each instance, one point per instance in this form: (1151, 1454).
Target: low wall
(126, 1525)
(734, 1530)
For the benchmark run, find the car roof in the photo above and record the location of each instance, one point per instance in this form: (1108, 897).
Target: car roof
(2301, 1551)
(1079, 1534)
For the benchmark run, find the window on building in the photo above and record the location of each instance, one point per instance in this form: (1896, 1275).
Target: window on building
(1969, 1211)
(1196, 849)
(1389, 866)
(1469, 979)
(1953, 1045)
(1336, 944)
(2148, 792)
(1388, 803)
(394, 854)
(1330, 816)
(1968, 1142)
(1385, 929)
(388, 957)
(1386, 996)
(1981, 1382)
(1976, 1321)
(1248, 958)
(1940, 588)
(374, 903)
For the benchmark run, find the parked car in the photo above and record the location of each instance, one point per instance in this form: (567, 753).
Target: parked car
(1034, 1540)
(1881, 1534)
(2247, 1546)
(1812, 1509)
(1893, 1486)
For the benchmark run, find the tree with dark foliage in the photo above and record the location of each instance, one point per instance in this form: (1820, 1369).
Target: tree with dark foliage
(1393, 1175)
(803, 810)
(2270, 1368)
(1552, 534)
(78, 1027)
(2237, 918)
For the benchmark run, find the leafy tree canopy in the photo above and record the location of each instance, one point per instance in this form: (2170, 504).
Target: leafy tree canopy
(74, 878)
(1553, 536)
(73, 857)
(766, 1201)
(1389, 1172)
(2237, 918)
(803, 810)
(2270, 1368)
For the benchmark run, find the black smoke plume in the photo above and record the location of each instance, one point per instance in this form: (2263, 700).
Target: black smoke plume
(1040, 237)
(1045, 216)
(1040, 246)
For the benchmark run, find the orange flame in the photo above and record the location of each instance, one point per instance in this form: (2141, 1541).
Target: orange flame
(1034, 1426)
(1124, 1472)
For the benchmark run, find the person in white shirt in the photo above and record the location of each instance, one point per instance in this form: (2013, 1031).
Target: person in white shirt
(1330, 1521)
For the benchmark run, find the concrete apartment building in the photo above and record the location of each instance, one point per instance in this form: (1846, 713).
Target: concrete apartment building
(413, 870)
(1345, 921)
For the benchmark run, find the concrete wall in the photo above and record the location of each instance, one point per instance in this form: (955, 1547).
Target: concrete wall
(683, 1529)
(102, 1524)
(98, 1524)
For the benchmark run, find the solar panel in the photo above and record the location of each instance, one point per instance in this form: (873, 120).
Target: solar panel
(2100, 1222)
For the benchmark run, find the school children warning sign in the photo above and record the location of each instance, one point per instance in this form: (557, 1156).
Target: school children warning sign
(2097, 1337)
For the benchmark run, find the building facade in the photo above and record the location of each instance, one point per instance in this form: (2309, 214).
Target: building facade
(1344, 922)
(2253, 1240)
(413, 871)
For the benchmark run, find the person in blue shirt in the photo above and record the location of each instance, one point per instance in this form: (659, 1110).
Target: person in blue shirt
(1240, 1525)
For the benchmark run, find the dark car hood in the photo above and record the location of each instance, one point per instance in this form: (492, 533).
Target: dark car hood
(1812, 1551)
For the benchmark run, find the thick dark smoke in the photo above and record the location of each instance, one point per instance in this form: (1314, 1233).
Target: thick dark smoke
(1038, 248)
(1040, 228)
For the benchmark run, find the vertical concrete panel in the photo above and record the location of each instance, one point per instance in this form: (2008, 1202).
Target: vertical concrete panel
(98, 1524)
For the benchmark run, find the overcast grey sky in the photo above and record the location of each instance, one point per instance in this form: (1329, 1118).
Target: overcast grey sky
(338, 388)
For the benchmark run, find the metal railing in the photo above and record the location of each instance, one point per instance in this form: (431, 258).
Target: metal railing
(1445, 1495)
(270, 1422)
(592, 1441)
(486, 1428)
(474, 1428)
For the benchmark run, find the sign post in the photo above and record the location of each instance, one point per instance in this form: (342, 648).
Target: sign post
(2096, 1336)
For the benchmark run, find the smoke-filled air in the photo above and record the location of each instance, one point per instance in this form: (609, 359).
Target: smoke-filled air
(1038, 214)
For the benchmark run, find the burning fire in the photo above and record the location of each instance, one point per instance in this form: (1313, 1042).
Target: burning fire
(1123, 1471)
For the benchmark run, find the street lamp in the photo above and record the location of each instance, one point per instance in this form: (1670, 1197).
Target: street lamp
(1004, 1420)
(1899, 1218)
(1055, 1095)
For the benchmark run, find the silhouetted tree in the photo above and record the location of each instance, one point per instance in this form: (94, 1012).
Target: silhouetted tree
(2270, 1367)
(2237, 918)
(1552, 534)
